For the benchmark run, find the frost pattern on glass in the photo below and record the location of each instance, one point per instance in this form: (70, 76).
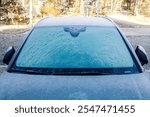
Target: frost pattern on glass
(96, 47)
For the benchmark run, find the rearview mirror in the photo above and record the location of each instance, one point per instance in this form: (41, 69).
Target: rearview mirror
(141, 53)
(8, 55)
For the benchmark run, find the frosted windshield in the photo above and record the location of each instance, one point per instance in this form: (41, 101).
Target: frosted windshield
(75, 47)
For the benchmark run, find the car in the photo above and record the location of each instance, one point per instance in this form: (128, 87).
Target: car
(75, 58)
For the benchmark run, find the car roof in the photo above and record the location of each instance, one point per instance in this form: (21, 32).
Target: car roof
(75, 20)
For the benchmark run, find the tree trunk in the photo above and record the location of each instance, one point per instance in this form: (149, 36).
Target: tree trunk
(137, 7)
(120, 9)
(0, 2)
(81, 7)
(86, 10)
(149, 10)
(97, 7)
(30, 10)
(23, 3)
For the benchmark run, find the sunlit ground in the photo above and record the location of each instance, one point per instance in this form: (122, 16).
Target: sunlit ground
(12, 27)
(142, 20)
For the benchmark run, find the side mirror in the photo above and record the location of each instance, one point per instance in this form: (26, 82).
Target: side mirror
(8, 55)
(141, 53)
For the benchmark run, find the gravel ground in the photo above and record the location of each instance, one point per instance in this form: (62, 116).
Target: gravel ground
(10, 38)
(14, 37)
(2, 69)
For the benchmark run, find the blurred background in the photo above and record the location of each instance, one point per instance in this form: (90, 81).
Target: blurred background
(28, 11)
(18, 16)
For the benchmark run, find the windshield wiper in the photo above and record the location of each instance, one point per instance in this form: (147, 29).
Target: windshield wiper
(33, 72)
(39, 72)
(80, 73)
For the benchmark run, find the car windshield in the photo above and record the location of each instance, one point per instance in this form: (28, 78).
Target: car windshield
(76, 49)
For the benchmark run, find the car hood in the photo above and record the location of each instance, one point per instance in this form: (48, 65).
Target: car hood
(51, 87)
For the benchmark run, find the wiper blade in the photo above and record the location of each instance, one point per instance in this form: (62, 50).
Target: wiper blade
(36, 72)
(39, 72)
(80, 73)
(32, 72)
